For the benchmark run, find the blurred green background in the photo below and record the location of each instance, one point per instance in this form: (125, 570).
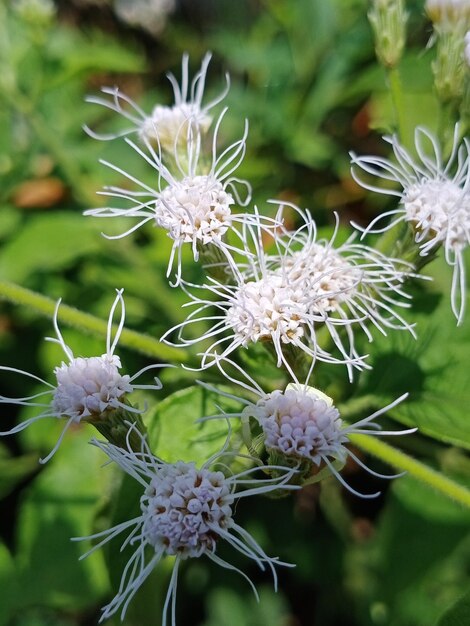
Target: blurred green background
(304, 74)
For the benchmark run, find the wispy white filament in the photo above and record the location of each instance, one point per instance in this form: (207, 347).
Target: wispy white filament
(86, 387)
(300, 423)
(434, 199)
(169, 126)
(194, 204)
(185, 512)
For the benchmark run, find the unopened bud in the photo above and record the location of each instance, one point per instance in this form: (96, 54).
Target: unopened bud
(388, 19)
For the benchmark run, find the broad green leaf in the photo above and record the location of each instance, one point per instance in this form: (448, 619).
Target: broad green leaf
(58, 505)
(173, 432)
(48, 243)
(227, 608)
(433, 368)
(9, 219)
(458, 615)
(404, 531)
(14, 469)
(10, 590)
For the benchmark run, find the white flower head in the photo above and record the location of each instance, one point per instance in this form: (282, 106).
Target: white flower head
(193, 205)
(168, 126)
(185, 511)
(434, 199)
(301, 424)
(86, 388)
(262, 305)
(345, 285)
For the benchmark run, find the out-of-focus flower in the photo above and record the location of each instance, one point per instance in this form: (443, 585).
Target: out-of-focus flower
(151, 15)
(167, 126)
(185, 512)
(195, 205)
(301, 427)
(87, 388)
(434, 199)
(467, 48)
(448, 13)
(35, 12)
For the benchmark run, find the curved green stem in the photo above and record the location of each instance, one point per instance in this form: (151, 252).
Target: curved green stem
(444, 485)
(89, 323)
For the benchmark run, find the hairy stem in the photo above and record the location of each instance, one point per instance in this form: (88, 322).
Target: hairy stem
(434, 479)
(89, 323)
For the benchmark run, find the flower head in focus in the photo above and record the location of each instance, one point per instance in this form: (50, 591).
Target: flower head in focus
(300, 426)
(86, 388)
(262, 305)
(434, 199)
(345, 285)
(185, 511)
(167, 126)
(194, 204)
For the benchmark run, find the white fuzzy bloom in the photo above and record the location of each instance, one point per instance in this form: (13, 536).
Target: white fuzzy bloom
(434, 200)
(185, 512)
(262, 305)
(196, 208)
(346, 287)
(194, 204)
(151, 15)
(301, 423)
(185, 509)
(267, 308)
(90, 386)
(328, 277)
(86, 388)
(168, 126)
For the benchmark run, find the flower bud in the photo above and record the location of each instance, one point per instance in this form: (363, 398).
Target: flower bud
(388, 20)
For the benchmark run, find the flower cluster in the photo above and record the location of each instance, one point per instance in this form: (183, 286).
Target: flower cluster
(311, 301)
(284, 297)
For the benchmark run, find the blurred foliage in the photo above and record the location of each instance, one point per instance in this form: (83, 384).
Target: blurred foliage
(305, 76)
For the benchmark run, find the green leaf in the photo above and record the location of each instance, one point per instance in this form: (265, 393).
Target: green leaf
(10, 218)
(174, 434)
(433, 368)
(8, 584)
(14, 469)
(48, 243)
(420, 559)
(58, 505)
(458, 615)
(228, 608)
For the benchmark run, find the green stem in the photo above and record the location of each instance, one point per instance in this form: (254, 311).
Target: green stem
(396, 92)
(89, 323)
(422, 472)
